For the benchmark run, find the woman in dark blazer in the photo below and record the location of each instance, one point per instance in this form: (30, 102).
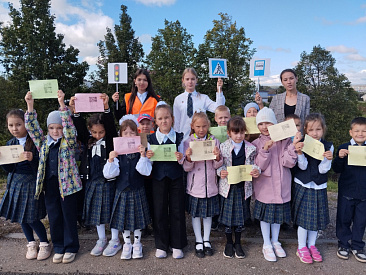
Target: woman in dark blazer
(292, 101)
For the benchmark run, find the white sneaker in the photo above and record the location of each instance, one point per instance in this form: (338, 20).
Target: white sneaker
(45, 250)
(126, 251)
(177, 253)
(160, 254)
(32, 251)
(68, 257)
(113, 247)
(279, 250)
(137, 251)
(99, 247)
(269, 254)
(57, 258)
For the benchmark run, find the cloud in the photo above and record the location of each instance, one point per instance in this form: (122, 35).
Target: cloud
(269, 48)
(355, 57)
(145, 38)
(342, 49)
(156, 2)
(357, 77)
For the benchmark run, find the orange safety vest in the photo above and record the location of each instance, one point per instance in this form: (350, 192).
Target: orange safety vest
(138, 108)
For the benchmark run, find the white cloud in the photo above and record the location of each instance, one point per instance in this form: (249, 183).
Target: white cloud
(357, 77)
(355, 57)
(269, 48)
(361, 20)
(145, 38)
(342, 49)
(156, 2)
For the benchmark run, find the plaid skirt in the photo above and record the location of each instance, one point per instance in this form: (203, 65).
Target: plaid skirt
(99, 195)
(203, 207)
(233, 208)
(18, 203)
(130, 210)
(310, 208)
(272, 212)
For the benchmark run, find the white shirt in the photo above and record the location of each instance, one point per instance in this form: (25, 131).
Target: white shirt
(163, 138)
(324, 166)
(112, 170)
(237, 146)
(142, 97)
(22, 140)
(201, 103)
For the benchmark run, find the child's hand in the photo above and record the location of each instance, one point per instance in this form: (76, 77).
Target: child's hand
(188, 154)
(297, 138)
(149, 154)
(30, 101)
(258, 99)
(268, 144)
(72, 104)
(216, 152)
(298, 147)
(112, 156)
(142, 150)
(254, 173)
(115, 97)
(105, 101)
(328, 155)
(343, 153)
(61, 98)
(178, 155)
(28, 155)
(219, 84)
(223, 174)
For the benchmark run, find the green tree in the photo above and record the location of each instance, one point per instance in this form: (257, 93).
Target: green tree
(30, 49)
(172, 51)
(330, 92)
(226, 40)
(122, 46)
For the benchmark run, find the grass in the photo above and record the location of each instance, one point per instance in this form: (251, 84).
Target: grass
(332, 186)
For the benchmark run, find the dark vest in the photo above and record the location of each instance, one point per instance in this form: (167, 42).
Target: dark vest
(170, 169)
(52, 160)
(86, 158)
(239, 159)
(312, 171)
(129, 177)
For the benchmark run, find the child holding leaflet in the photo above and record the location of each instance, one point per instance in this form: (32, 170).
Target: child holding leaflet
(272, 189)
(235, 151)
(351, 206)
(57, 175)
(310, 202)
(202, 189)
(130, 210)
(18, 203)
(168, 189)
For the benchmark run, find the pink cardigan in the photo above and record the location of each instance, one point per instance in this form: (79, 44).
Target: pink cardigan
(274, 183)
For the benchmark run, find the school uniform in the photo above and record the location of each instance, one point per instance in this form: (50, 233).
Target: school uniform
(58, 177)
(18, 203)
(201, 103)
(351, 206)
(310, 203)
(233, 206)
(168, 196)
(202, 187)
(130, 210)
(99, 192)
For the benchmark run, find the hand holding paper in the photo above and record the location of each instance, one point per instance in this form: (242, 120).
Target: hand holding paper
(43, 88)
(313, 148)
(11, 154)
(239, 173)
(357, 155)
(202, 150)
(126, 145)
(164, 152)
(282, 130)
(89, 103)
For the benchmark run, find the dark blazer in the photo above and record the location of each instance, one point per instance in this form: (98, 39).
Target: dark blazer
(302, 106)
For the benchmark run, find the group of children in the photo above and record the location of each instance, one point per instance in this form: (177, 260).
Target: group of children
(115, 192)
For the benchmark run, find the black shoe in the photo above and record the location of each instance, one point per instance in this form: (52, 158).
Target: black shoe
(359, 255)
(208, 249)
(239, 253)
(343, 253)
(199, 252)
(215, 225)
(229, 250)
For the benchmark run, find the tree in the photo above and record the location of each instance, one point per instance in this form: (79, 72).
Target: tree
(226, 40)
(122, 46)
(330, 92)
(30, 49)
(172, 51)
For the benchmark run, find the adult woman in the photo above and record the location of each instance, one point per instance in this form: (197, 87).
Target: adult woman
(141, 100)
(292, 101)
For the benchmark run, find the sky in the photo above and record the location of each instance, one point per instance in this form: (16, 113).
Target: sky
(280, 30)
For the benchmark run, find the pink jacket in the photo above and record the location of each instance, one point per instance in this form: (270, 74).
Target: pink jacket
(274, 183)
(201, 178)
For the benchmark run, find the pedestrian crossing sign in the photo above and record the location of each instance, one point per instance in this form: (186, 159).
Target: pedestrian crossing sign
(217, 67)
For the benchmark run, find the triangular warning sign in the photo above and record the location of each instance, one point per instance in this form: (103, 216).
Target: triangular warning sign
(218, 69)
